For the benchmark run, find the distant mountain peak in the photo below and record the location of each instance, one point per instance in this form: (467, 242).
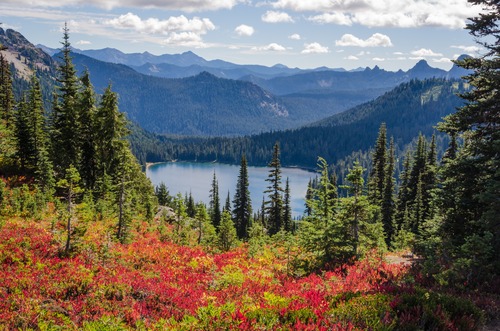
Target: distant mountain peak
(422, 70)
(422, 64)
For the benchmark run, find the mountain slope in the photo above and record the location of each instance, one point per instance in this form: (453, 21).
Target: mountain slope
(345, 81)
(25, 60)
(200, 105)
(411, 108)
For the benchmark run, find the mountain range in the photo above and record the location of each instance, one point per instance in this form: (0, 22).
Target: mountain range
(206, 104)
(410, 109)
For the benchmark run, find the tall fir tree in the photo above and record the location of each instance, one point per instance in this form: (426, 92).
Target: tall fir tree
(88, 132)
(111, 132)
(214, 210)
(7, 121)
(65, 131)
(376, 179)
(39, 160)
(287, 208)
(388, 206)
(22, 133)
(430, 181)
(403, 198)
(242, 204)
(274, 204)
(471, 187)
(321, 233)
(227, 205)
(6, 93)
(162, 194)
(324, 197)
(355, 178)
(309, 196)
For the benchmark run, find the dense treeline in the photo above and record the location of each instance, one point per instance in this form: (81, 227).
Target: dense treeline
(408, 110)
(445, 209)
(75, 152)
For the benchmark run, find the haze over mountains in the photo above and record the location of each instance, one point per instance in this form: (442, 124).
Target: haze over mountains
(202, 101)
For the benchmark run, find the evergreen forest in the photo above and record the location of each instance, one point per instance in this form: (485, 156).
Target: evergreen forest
(400, 231)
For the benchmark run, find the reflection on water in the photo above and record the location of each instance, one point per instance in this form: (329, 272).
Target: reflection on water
(185, 177)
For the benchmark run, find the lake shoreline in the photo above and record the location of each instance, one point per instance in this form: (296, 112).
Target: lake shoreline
(195, 178)
(150, 164)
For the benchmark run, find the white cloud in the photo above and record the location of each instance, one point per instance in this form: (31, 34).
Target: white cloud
(179, 30)
(390, 13)
(83, 42)
(276, 17)
(378, 59)
(244, 30)
(294, 36)
(314, 48)
(273, 47)
(351, 58)
(156, 26)
(182, 5)
(188, 39)
(376, 40)
(424, 52)
(442, 60)
(468, 49)
(332, 18)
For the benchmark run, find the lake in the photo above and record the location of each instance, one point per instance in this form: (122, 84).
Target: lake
(185, 177)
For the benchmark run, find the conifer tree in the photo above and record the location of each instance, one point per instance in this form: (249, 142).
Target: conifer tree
(112, 129)
(7, 121)
(36, 122)
(227, 205)
(376, 179)
(333, 181)
(309, 196)
(23, 139)
(242, 204)
(6, 94)
(429, 181)
(227, 232)
(323, 203)
(472, 179)
(403, 198)
(39, 147)
(418, 166)
(322, 234)
(190, 206)
(162, 194)
(88, 132)
(388, 206)
(215, 212)
(451, 151)
(362, 218)
(65, 122)
(287, 208)
(274, 204)
(207, 234)
(355, 178)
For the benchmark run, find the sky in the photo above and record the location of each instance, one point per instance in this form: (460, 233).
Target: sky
(392, 34)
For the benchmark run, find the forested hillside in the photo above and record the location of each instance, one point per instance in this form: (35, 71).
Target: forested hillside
(411, 108)
(86, 243)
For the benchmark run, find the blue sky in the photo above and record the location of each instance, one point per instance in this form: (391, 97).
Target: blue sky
(393, 34)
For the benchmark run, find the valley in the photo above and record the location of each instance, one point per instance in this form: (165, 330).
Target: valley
(178, 192)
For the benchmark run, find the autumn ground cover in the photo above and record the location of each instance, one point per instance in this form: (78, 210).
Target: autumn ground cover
(151, 284)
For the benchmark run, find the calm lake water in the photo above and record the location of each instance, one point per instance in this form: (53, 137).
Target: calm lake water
(185, 177)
